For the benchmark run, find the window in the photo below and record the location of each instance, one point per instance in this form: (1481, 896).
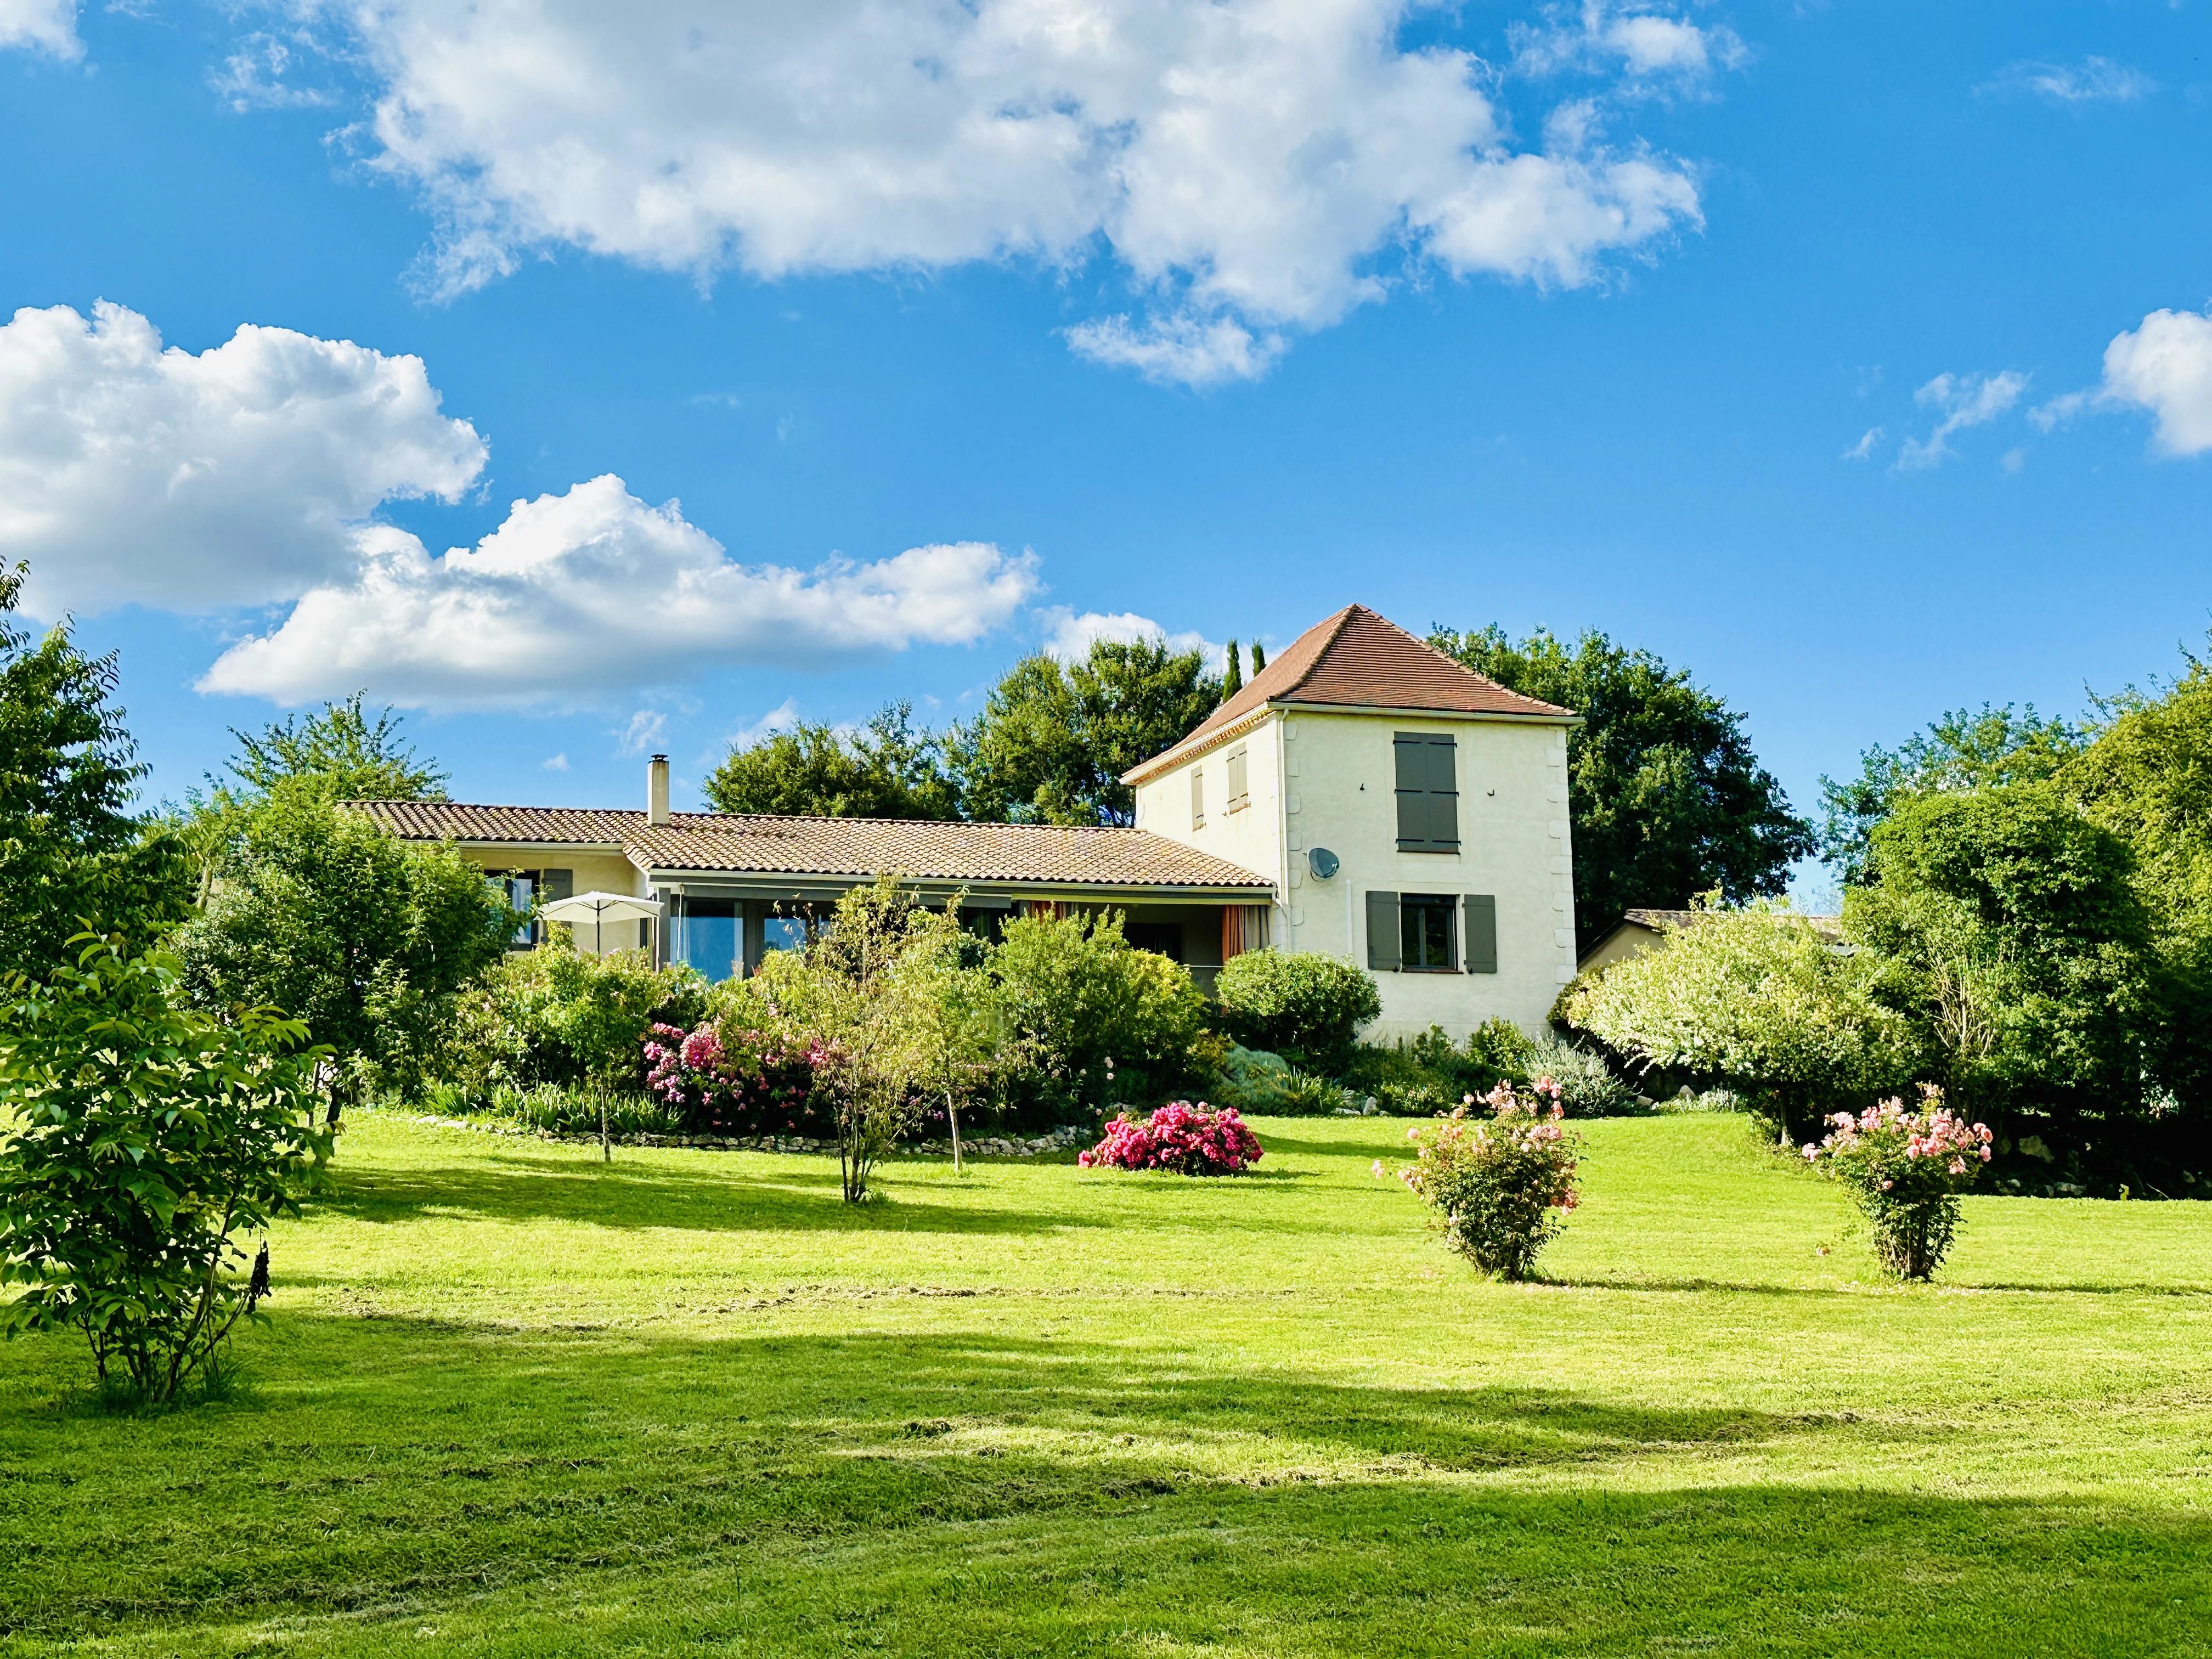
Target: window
(1239, 797)
(521, 891)
(704, 933)
(783, 933)
(1413, 933)
(1425, 932)
(1428, 793)
(523, 888)
(1161, 938)
(1198, 797)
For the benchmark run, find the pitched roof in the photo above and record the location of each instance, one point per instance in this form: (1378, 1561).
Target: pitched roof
(1666, 922)
(1357, 659)
(1037, 853)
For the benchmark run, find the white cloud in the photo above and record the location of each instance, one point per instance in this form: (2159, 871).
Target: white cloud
(2092, 81)
(1245, 162)
(1864, 446)
(245, 473)
(2163, 366)
(643, 731)
(1963, 400)
(253, 75)
(1070, 636)
(580, 592)
(781, 718)
(557, 762)
(42, 25)
(1643, 42)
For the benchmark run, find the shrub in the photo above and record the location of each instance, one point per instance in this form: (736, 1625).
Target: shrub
(1495, 1181)
(556, 1016)
(1094, 1020)
(1301, 1094)
(561, 1110)
(1906, 1169)
(1300, 1004)
(1252, 1080)
(1755, 1000)
(1587, 1086)
(726, 1077)
(147, 1138)
(1425, 1075)
(1189, 1139)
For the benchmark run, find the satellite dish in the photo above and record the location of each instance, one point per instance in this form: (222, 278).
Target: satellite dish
(1322, 862)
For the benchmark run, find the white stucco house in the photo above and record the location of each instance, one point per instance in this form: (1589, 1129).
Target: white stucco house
(1363, 795)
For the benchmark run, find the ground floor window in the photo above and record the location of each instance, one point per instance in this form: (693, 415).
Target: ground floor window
(707, 934)
(1424, 930)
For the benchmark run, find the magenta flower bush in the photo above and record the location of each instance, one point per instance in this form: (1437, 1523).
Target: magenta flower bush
(1495, 1182)
(1906, 1168)
(1190, 1139)
(728, 1079)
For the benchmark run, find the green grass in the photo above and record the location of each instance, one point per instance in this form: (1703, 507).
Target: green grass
(515, 1402)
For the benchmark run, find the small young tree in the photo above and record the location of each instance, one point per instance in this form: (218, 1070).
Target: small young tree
(942, 1002)
(148, 1139)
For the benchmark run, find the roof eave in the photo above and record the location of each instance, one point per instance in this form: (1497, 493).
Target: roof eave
(1187, 892)
(1167, 759)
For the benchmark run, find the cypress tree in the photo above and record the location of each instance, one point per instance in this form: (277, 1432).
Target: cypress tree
(1233, 680)
(1258, 656)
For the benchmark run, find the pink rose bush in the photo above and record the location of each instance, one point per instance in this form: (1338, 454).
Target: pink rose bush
(727, 1079)
(1501, 1183)
(1906, 1168)
(1190, 1139)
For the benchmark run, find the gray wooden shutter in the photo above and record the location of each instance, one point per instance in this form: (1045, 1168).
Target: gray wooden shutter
(1428, 793)
(1198, 797)
(1382, 931)
(1481, 932)
(557, 884)
(1413, 781)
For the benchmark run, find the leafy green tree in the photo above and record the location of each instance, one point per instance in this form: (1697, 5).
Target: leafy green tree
(70, 849)
(1232, 682)
(2024, 945)
(1965, 749)
(940, 995)
(368, 938)
(1756, 999)
(147, 1138)
(1258, 656)
(1054, 739)
(1668, 799)
(884, 770)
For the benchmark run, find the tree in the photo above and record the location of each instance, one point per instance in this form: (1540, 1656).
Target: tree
(1232, 681)
(148, 1136)
(1667, 799)
(1754, 999)
(2024, 946)
(318, 910)
(1963, 750)
(884, 770)
(1053, 740)
(1258, 656)
(941, 1002)
(70, 849)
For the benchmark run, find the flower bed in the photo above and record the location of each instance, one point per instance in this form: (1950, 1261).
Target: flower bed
(729, 1080)
(1906, 1168)
(1192, 1140)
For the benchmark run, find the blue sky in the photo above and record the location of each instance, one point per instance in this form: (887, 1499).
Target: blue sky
(1853, 356)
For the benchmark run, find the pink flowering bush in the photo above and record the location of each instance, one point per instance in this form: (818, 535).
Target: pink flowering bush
(726, 1079)
(1501, 1184)
(1906, 1168)
(1179, 1136)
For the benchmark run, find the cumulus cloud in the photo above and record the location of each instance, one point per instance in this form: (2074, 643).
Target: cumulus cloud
(1646, 43)
(1252, 166)
(1963, 401)
(41, 25)
(1069, 636)
(1865, 445)
(241, 475)
(2164, 367)
(591, 590)
(2092, 81)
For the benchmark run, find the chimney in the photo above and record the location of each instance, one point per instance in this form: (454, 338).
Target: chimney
(656, 790)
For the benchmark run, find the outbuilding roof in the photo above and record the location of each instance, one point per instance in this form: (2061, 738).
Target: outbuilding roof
(1033, 855)
(1357, 659)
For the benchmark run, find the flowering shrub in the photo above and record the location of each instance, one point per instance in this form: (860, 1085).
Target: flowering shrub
(726, 1079)
(1180, 1136)
(1906, 1168)
(1496, 1181)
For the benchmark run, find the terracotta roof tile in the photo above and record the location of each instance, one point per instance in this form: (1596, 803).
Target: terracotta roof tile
(1357, 659)
(860, 848)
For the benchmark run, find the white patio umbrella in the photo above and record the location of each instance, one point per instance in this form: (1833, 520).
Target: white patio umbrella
(596, 907)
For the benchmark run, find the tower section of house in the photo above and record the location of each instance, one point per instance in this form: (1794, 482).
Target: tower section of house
(1411, 815)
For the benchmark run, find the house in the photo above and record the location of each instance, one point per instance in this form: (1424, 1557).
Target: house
(1362, 795)
(1639, 931)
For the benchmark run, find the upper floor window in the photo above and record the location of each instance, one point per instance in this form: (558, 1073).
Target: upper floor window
(1428, 793)
(1239, 796)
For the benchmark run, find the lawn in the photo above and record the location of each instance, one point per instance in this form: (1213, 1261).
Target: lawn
(514, 1401)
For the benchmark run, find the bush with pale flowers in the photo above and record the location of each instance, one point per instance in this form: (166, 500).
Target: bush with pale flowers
(1501, 1184)
(1906, 1168)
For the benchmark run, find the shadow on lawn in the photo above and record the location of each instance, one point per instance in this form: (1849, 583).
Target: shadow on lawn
(399, 1461)
(803, 1198)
